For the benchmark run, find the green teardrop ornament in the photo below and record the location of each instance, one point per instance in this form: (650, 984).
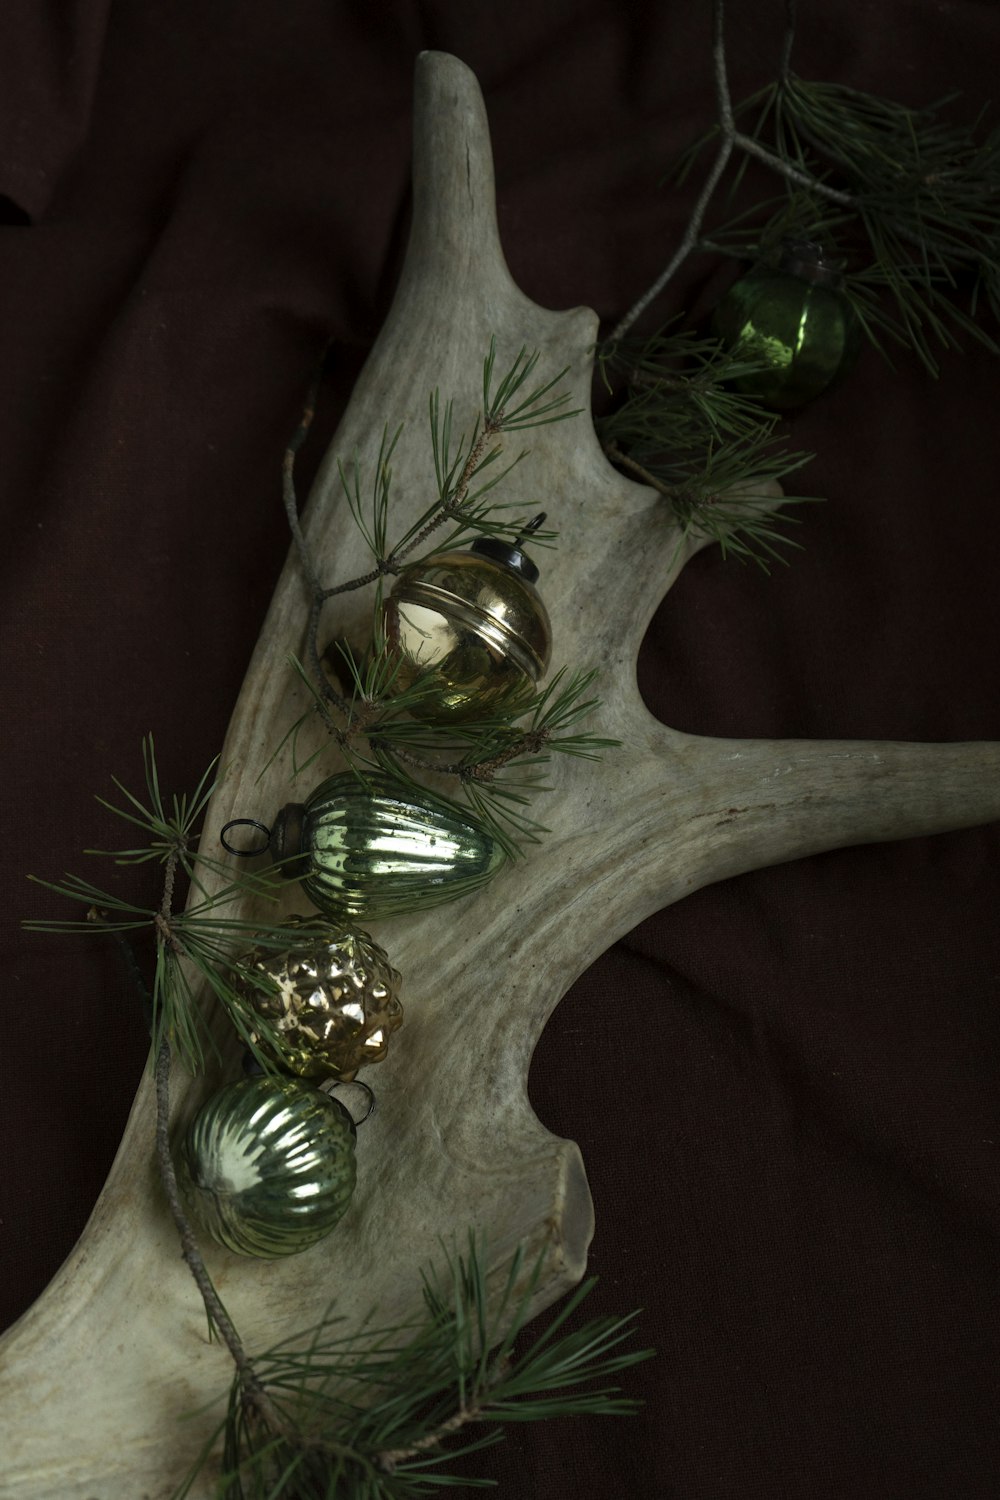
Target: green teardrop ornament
(268, 1166)
(380, 850)
(795, 322)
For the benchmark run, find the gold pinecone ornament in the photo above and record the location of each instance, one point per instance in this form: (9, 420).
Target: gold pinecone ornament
(332, 1000)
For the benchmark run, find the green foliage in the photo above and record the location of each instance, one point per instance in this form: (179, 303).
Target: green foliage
(461, 465)
(490, 762)
(711, 452)
(905, 199)
(200, 944)
(380, 1415)
(925, 234)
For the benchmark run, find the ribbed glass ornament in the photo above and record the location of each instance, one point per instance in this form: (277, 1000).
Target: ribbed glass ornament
(381, 850)
(268, 1166)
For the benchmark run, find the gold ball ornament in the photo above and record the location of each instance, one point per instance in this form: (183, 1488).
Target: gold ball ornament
(470, 628)
(333, 1000)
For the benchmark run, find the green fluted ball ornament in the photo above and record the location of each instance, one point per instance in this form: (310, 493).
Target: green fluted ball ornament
(373, 848)
(793, 320)
(268, 1166)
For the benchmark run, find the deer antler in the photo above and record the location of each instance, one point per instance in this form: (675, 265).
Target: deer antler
(455, 1142)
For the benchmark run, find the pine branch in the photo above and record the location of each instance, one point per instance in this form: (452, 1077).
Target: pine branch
(365, 711)
(729, 139)
(712, 453)
(253, 1392)
(377, 1415)
(917, 198)
(196, 946)
(507, 407)
(254, 1395)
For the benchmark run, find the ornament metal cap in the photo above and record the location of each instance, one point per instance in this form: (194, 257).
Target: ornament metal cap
(509, 554)
(287, 839)
(471, 628)
(806, 259)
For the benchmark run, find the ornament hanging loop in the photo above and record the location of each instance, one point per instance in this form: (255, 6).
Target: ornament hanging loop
(245, 823)
(351, 1083)
(529, 528)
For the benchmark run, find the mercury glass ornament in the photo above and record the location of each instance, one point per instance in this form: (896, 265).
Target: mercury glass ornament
(268, 1166)
(380, 850)
(471, 628)
(795, 321)
(332, 1000)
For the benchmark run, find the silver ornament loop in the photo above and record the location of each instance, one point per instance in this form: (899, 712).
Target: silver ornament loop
(245, 823)
(353, 1083)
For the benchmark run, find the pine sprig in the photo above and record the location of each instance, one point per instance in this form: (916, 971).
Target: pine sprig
(475, 756)
(197, 947)
(712, 453)
(466, 468)
(376, 723)
(905, 200)
(925, 234)
(381, 1415)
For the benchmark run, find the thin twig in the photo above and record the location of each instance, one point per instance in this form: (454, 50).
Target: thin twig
(617, 456)
(384, 566)
(390, 1458)
(730, 140)
(531, 742)
(288, 494)
(169, 876)
(254, 1392)
(789, 41)
(712, 247)
(691, 235)
(785, 169)
(161, 919)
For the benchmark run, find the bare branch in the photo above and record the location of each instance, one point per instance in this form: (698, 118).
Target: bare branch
(254, 1391)
(690, 238)
(730, 140)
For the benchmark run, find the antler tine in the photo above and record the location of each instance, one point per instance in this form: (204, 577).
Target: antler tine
(722, 807)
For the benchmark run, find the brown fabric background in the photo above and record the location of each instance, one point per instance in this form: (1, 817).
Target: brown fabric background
(785, 1088)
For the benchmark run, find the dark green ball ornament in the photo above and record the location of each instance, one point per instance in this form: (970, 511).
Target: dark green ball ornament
(268, 1166)
(794, 320)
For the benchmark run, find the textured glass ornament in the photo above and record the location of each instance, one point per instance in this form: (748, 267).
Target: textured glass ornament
(332, 1000)
(795, 321)
(380, 850)
(471, 628)
(268, 1166)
